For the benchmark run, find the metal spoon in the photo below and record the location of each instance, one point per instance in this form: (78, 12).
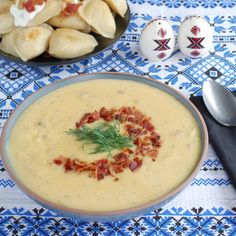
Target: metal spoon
(220, 102)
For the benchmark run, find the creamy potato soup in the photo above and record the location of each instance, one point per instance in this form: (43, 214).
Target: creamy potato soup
(39, 136)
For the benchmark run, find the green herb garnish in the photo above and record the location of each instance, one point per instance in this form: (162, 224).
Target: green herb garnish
(105, 136)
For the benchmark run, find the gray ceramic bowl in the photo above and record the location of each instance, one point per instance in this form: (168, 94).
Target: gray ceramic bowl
(109, 215)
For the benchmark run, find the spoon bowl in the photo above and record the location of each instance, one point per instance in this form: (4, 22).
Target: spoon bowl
(220, 102)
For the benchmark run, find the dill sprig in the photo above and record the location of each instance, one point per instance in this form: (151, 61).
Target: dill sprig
(105, 136)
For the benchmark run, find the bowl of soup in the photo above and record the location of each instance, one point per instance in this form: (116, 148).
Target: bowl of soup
(104, 146)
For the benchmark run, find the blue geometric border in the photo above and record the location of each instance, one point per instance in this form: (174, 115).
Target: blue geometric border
(176, 221)
(188, 3)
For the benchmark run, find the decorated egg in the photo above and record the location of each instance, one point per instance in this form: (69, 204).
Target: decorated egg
(157, 40)
(195, 37)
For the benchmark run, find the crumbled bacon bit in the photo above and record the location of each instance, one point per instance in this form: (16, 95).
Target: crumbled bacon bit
(131, 119)
(119, 117)
(135, 164)
(137, 114)
(40, 2)
(127, 151)
(29, 6)
(155, 139)
(88, 118)
(155, 135)
(106, 114)
(132, 131)
(136, 125)
(121, 159)
(117, 168)
(93, 117)
(57, 162)
(68, 165)
(102, 169)
(70, 9)
(138, 142)
(145, 123)
(79, 166)
(152, 154)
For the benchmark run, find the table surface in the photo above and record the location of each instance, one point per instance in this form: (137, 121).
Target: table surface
(208, 205)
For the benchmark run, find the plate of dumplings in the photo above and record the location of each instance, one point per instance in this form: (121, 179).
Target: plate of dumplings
(55, 32)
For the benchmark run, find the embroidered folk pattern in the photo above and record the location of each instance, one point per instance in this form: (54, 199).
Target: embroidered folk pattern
(162, 32)
(195, 53)
(195, 30)
(18, 81)
(162, 44)
(176, 221)
(161, 55)
(188, 4)
(195, 43)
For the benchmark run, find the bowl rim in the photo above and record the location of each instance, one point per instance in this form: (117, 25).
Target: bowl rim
(90, 213)
(69, 61)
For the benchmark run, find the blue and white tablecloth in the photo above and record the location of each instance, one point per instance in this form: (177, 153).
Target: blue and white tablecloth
(208, 205)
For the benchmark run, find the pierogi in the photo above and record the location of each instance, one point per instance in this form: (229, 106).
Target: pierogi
(74, 22)
(39, 136)
(6, 19)
(97, 14)
(69, 43)
(52, 8)
(85, 16)
(118, 6)
(27, 42)
(8, 43)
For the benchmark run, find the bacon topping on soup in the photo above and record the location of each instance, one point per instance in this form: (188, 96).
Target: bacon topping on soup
(125, 129)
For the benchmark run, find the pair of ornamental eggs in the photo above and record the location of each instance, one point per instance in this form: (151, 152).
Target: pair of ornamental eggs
(157, 40)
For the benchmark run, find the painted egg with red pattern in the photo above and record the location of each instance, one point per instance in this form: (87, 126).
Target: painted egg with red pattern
(157, 40)
(195, 37)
